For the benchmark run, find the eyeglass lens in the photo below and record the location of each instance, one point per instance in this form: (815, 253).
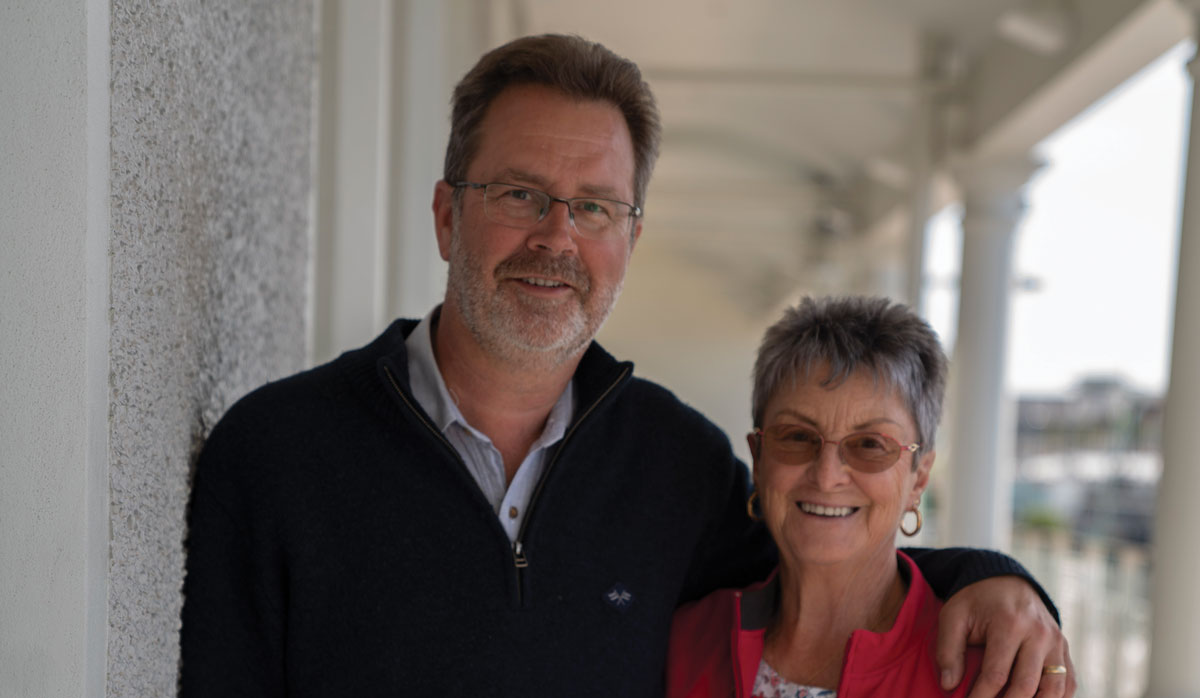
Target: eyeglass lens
(867, 452)
(519, 207)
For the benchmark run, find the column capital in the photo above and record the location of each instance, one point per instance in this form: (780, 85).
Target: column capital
(1192, 8)
(994, 186)
(1193, 64)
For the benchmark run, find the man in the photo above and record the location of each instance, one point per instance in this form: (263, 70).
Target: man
(485, 502)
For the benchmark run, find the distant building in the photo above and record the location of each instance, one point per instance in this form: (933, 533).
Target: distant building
(1089, 460)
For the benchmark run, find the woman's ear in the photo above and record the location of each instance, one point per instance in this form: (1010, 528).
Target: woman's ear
(924, 465)
(754, 441)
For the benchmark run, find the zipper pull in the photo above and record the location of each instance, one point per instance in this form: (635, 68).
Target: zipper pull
(519, 555)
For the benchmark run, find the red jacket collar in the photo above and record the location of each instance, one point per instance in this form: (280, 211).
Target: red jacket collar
(755, 606)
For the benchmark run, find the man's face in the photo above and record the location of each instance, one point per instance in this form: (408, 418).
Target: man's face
(538, 295)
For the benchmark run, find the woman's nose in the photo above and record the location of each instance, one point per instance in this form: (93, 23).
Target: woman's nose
(828, 470)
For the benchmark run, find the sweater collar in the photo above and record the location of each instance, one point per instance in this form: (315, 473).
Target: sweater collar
(596, 377)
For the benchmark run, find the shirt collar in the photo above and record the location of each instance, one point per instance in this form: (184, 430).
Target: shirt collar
(431, 393)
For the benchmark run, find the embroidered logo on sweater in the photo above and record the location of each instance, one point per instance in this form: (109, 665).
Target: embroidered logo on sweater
(619, 597)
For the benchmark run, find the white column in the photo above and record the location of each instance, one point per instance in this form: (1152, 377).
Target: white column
(355, 126)
(384, 118)
(980, 501)
(924, 150)
(421, 115)
(920, 192)
(1175, 629)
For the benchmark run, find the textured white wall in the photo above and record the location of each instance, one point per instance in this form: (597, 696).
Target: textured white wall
(211, 185)
(50, 351)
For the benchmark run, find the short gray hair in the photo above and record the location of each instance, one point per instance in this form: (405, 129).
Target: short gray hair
(850, 334)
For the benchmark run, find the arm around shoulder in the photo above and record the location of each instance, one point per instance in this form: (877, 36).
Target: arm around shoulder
(949, 570)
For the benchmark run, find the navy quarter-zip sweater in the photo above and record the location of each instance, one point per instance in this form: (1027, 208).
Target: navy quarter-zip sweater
(339, 547)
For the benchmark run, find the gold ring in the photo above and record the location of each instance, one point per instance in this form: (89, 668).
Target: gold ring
(1054, 669)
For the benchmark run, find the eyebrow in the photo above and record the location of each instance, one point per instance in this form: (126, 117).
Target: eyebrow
(521, 177)
(515, 176)
(857, 427)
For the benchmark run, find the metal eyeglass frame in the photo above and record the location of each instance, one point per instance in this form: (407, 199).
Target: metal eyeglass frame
(634, 211)
(911, 448)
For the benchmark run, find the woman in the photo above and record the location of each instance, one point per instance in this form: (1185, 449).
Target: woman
(847, 395)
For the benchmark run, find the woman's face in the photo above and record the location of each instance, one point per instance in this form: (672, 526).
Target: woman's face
(824, 511)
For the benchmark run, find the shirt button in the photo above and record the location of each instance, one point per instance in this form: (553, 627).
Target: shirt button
(512, 512)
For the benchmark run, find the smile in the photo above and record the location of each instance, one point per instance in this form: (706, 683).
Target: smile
(821, 510)
(548, 283)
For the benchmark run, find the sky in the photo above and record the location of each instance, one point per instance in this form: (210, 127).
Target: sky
(1097, 248)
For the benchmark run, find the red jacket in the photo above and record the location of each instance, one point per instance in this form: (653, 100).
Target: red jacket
(717, 642)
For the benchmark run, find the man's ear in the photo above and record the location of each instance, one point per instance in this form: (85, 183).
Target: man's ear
(637, 233)
(443, 216)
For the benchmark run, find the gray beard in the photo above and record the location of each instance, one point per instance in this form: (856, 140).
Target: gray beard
(526, 332)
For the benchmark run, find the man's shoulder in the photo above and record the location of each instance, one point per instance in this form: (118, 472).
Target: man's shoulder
(663, 406)
(318, 393)
(635, 397)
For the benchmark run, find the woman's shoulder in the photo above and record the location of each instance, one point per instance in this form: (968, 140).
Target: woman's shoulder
(701, 629)
(927, 639)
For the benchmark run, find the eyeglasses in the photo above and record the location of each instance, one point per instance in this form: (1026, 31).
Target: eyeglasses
(522, 207)
(865, 451)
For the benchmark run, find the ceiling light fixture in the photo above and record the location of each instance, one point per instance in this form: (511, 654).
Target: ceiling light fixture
(1045, 27)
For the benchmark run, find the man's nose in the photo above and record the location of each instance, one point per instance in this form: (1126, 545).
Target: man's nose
(556, 231)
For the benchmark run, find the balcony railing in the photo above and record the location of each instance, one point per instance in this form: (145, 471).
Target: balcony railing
(1102, 589)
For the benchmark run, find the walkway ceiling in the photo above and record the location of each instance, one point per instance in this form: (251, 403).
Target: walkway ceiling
(790, 126)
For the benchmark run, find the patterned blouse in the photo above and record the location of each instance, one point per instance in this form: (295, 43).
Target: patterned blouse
(769, 684)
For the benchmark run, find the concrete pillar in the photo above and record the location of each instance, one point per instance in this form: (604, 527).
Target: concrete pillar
(54, 403)
(1175, 625)
(980, 502)
(154, 244)
(210, 143)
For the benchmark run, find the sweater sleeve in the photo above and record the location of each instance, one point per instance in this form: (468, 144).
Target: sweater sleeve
(734, 551)
(231, 640)
(948, 570)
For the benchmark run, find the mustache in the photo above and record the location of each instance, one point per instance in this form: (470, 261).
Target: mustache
(530, 263)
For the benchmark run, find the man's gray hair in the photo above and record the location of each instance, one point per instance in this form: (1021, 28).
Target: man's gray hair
(573, 66)
(850, 334)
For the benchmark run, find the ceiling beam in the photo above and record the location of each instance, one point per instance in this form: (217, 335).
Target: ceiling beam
(1016, 98)
(797, 79)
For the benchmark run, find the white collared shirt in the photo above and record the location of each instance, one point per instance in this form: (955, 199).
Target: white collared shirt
(482, 458)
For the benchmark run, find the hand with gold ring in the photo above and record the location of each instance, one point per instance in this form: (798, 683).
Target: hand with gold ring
(1058, 679)
(1020, 641)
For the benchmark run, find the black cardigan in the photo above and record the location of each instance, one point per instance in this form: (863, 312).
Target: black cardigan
(338, 546)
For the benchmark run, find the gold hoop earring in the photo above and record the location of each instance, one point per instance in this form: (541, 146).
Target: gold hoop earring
(750, 507)
(916, 529)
